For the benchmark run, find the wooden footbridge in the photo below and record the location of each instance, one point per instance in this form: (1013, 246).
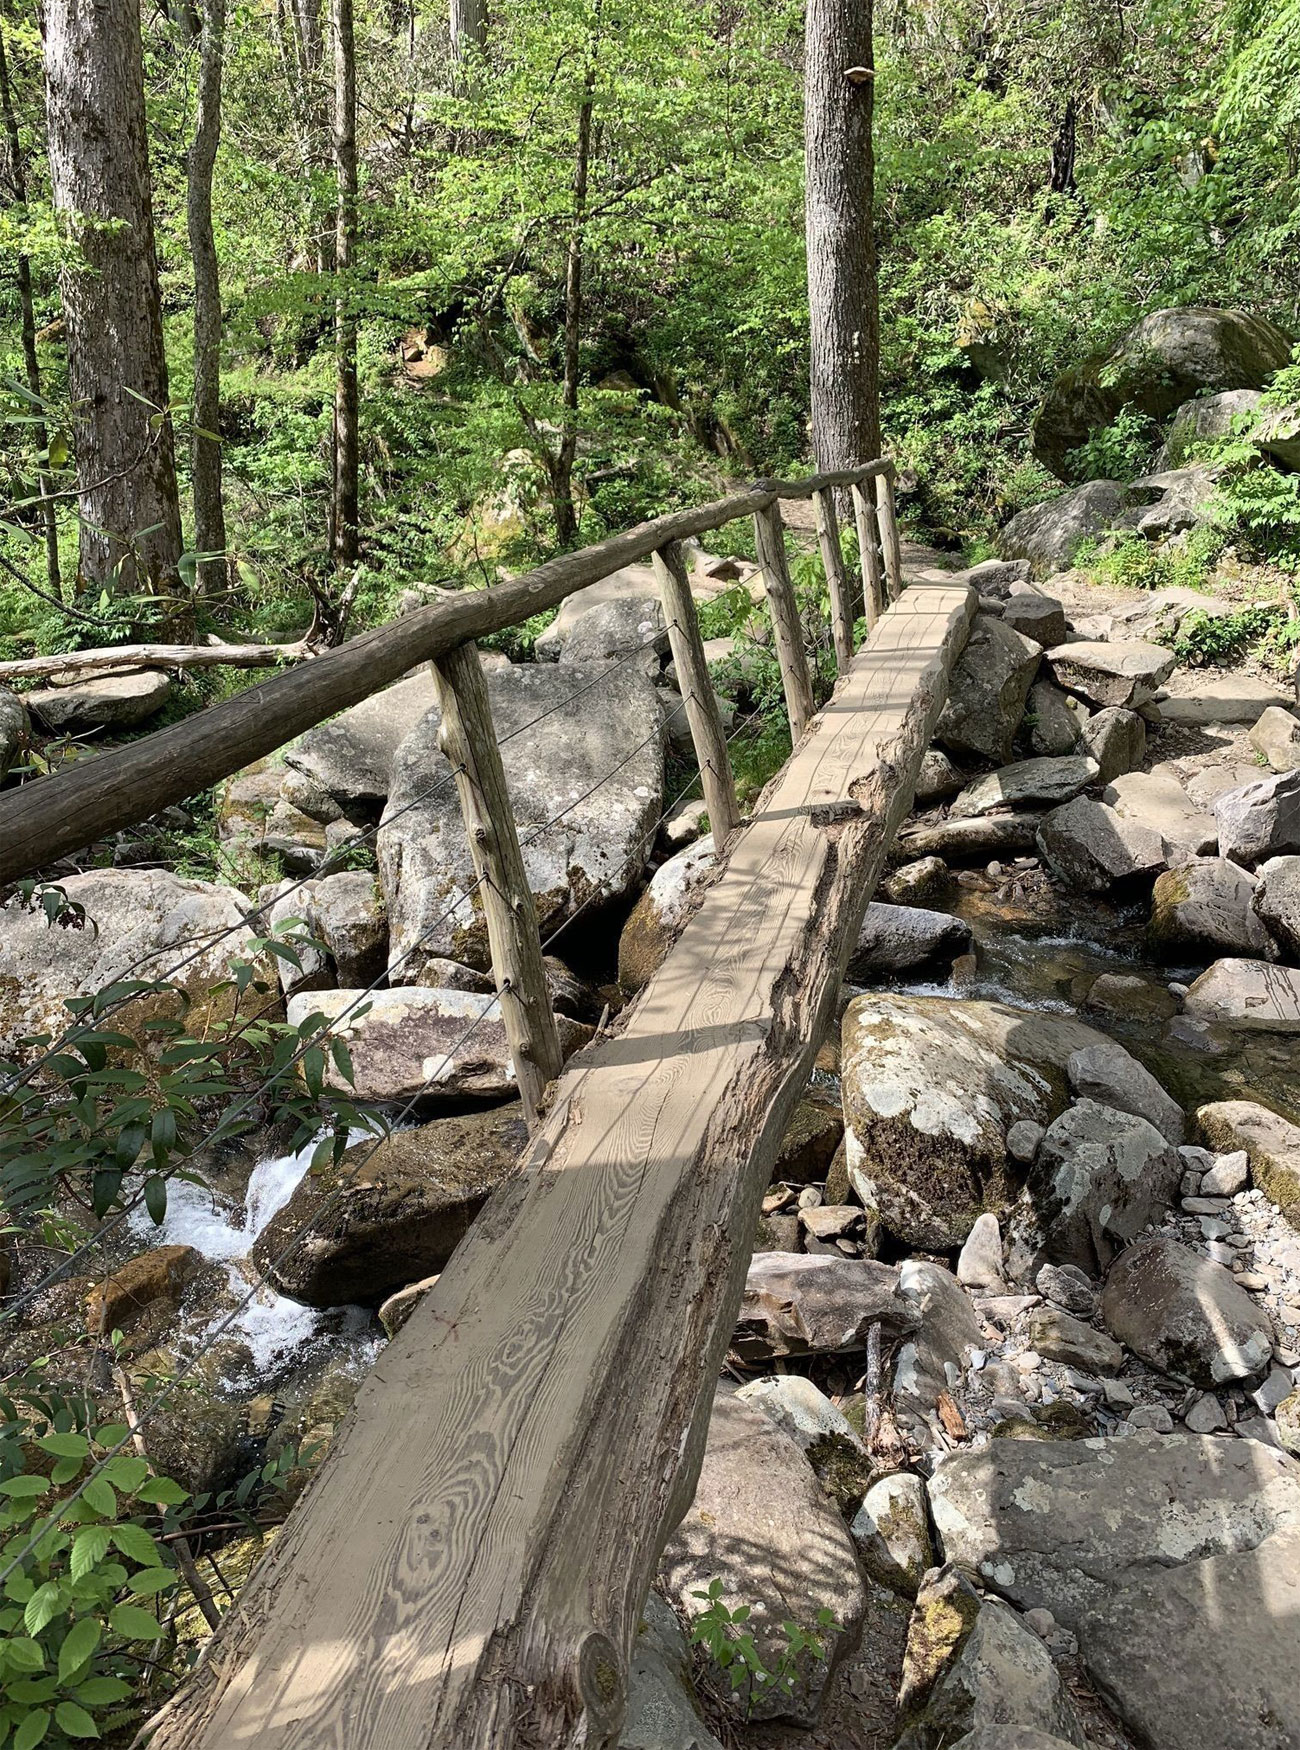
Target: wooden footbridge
(468, 1567)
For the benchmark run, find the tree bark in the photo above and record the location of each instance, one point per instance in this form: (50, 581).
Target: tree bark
(343, 538)
(468, 19)
(209, 514)
(117, 371)
(843, 314)
(17, 180)
(566, 518)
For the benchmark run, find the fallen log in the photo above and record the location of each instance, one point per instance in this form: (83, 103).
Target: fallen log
(129, 657)
(467, 1569)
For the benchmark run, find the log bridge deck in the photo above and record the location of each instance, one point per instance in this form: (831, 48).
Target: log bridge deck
(468, 1567)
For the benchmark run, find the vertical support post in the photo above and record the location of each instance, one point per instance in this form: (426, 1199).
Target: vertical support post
(873, 583)
(769, 536)
(468, 739)
(891, 547)
(837, 577)
(697, 693)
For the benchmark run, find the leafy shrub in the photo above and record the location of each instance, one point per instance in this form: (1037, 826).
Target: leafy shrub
(727, 1640)
(1121, 450)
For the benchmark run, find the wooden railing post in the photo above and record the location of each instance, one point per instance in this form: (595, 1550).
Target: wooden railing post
(837, 577)
(891, 547)
(697, 692)
(468, 739)
(864, 515)
(769, 536)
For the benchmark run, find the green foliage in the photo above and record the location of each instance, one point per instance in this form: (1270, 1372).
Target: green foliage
(1119, 451)
(726, 1638)
(1133, 562)
(1203, 639)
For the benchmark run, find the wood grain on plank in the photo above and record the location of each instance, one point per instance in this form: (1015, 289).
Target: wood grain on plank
(469, 1565)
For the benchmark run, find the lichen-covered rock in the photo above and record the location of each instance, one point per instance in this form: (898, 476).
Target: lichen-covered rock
(347, 764)
(892, 1532)
(1247, 996)
(947, 1329)
(926, 878)
(988, 689)
(1061, 1337)
(937, 778)
(1112, 673)
(801, 1303)
(795, 1404)
(812, 1136)
(1276, 734)
(899, 938)
(931, 1088)
(662, 1713)
(1056, 721)
(1087, 845)
(659, 914)
(761, 1524)
(582, 749)
(389, 1214)
(1276, 902)
(1037, 783)
(1050, 534)
(1204, 909)
(1271, 1142)
(1185, 1314)
(1260, 820)
(116, 701)
(1040, 617)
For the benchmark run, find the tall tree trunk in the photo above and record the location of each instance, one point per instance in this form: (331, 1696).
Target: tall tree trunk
(343, 520)
(468, 19)
(566, 519)
(17, 180)
(209, 514)
(844, 318)
(117, 372)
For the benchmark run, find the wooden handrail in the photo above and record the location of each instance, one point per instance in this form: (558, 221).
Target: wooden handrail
(49, 817)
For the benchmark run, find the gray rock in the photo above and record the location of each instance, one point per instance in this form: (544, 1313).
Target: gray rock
(997, 578)
(1151, 1416)
(1202, 909)
(1271, 1142)
(988, 689)
(1089, 846)
(795, 1404)
(892, 1532)
(1066, 1285)
(1205, 420)
(1113, 673)
(1023, 1140)
(979, 1265)
(1247, 996)
(348, 762)
(1039, 617)
(1196, 697)
(1277, 432)
(1276, 734)
(345, 914)
(1182, 499)
(947, 1330)
(662, 1713)
(1157, 800)
(1049, 535)
(800, 1303)
(938, 777)
(607, 631)
(971, 841)
(451, 975)
(1002, 1675)
(1100, 1177)
(1058, 720)
(1117, 740)
(931, 1088)
(899, 938)
(1276, 902)
(417, 1041)
(585, 827)
(926, 878)
(1206, 1415)
(1163, 360)
(1113, 1077)
(389, 1214)
(1260, 820)
(657, 917)
(761, 1523)
(14, 731)
(1009, 1738)
(115, 701)
(1185, 1314)
(1060, 1337)
(1028, 784)
(1229, 1174)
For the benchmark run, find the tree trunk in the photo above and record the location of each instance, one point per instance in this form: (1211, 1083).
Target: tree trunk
(209, 515)
(17, 180)
(468, 20)
(117, 372)
(566, 518)
(844, 320)
(343, 521)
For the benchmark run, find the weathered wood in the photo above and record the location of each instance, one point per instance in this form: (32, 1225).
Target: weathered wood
(873, 591)
(698, 696)
(837, 577)
(125, 657)
(468, 1566)
(469, 740)
(890, 545)
(787, 627)
(38, 825)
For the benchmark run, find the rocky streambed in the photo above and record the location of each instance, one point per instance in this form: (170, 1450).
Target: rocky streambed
(1011, 1401)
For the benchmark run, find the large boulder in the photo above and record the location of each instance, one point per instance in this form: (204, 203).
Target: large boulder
(1271, 1142)
(112, 701)
(1163, 360)
(389, 1213)
(1261, 819)
(1185, 1315)
(1117, 739)
(892, 1531)
(1113, 1077)
(14, 731)
(936, 1353)
(1206, 420)
(420, 1042)
(1157, 800)
(1050, 534)
(138, 924)
(1099, 1177)
(1247, 996)
(931, 1088)
(899, 938)
(1203, 909)
(1182, 499)
(807, 1303)
(1040, 617)
(607, 618)
(972, 840)
(1275, 733)
(1089, 846)
(762, 1525)
(1037, 783)
(346, 766)
(657, 917)
(987, 692)
(1111, 673)
(582, 749)
(343, 915)
(1276, 901)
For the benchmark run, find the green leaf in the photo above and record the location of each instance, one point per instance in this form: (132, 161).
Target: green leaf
(75, 1721)
(134, 1541)
(65, 1445)
(100, 1691)
(42, 1607)
(32, 1730)
(98, 1495)
(24, 1487)
(78, 1647)
(161, 1492)
(126, 1472)
(155, 1198)
(89, 1548)
(22, 1654)
(134, 1624)
(147, 1582)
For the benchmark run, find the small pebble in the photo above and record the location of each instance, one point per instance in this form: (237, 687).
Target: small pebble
(1220, 1254)
(1276, 1387)
(1151, 1416)
(1206, 1415)
(1229, 1174)
(1252, 1281)
(1042, 1622)
(1204, 1205)
(1117, 1394)
(1023, 1139)
(810, 1197)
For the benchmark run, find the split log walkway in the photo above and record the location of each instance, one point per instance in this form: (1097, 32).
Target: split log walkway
(468, 1568)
